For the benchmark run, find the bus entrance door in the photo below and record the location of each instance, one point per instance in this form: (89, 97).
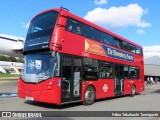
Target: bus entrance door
(118, 79)
(71, 79)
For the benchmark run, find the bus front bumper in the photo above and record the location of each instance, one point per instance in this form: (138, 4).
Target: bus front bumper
(39, 92)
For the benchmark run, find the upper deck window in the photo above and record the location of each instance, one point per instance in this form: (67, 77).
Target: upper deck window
(74, 26)
(106, 38)
(138, 51)
(125, 45)
(118, 43)
(131, 48)
(90, 32)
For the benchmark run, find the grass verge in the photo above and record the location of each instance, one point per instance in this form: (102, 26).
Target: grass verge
(8, 75)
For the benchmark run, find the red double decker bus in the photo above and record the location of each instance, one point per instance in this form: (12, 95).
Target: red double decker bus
(69, 59)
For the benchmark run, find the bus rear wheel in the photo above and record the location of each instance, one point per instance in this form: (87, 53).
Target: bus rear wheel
(89, 96)
(133, 90)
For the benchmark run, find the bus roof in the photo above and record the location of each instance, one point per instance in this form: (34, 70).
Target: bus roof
(91, 24)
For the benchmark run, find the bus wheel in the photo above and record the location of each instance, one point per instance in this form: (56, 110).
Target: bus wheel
(133, 90)
(89, 96)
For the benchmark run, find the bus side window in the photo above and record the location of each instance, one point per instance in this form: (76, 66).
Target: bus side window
(66, 68)
(134, 72)
(125, 45)
(90, 32)
(125, 72)
(106, 38)
(74, 26)
(137, 73)
(117, 43)
(69, 26)
(105, 69)
(138, 51)
(90, 69)
(131, 48)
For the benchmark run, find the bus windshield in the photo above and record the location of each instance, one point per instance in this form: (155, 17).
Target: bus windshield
(39, 67)
(40, 31)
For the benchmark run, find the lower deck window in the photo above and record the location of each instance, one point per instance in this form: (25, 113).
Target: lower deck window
(105, 69)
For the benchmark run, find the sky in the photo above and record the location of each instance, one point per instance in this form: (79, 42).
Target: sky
(136, 20)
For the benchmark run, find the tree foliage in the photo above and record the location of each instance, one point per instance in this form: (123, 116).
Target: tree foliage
(10, 59)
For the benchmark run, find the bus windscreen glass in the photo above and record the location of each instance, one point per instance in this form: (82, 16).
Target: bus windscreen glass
(40, 31)
(39, 67)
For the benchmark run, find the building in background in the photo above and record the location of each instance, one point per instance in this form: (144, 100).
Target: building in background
(10, 67)
(11, 46)
(152, 67)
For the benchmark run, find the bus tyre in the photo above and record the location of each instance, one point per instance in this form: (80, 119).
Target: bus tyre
(133, 90)
(89, 96)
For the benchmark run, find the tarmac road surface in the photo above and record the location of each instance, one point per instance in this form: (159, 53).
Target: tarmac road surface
(149, 100)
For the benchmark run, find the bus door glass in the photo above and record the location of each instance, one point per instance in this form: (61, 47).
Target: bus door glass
(119, 83)
(71, 78)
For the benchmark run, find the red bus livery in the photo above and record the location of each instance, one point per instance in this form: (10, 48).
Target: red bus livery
(69, 59)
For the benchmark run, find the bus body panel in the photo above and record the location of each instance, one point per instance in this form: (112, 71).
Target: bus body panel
(127, 88)
(129, 83)
(43, 92)
(103, 87)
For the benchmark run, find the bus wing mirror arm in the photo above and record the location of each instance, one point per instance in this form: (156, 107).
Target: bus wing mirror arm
(60, 25)
(57, 45)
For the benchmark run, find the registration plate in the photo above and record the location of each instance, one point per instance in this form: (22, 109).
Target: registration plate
(29, 98)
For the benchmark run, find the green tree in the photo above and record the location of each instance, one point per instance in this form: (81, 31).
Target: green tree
(10, 59)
